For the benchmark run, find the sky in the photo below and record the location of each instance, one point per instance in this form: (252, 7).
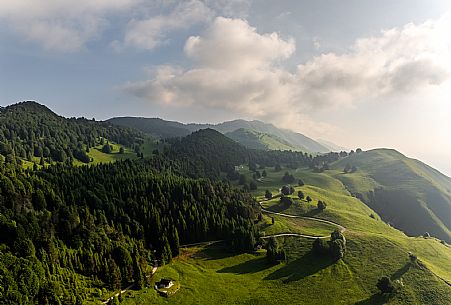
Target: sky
(358, 73)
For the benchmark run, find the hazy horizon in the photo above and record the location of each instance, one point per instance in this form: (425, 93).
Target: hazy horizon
(355, 73)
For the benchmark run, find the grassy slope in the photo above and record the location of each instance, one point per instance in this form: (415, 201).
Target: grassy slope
(257, 140)
(406, 192)
(100, 157)
(215, 276)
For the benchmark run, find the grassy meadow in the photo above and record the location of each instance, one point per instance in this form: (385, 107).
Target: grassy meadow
(214, 275)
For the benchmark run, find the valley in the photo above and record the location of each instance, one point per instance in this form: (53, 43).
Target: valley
(98, 207)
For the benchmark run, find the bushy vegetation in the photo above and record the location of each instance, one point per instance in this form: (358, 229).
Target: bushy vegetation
(274, 252)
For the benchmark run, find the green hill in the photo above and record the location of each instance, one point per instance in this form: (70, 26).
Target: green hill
(31, 133)
(216, 275)
(168, 129)
(154, 126)
(209, 152)
(257, 140)
(405, 192)
(295, 139)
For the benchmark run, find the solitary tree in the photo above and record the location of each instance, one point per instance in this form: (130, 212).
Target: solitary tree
(273, 253)
(337, 244)
(300, 195)
(286, 190)
(385, 285)
(268, 194)
(337, 249)
(107, 148)
(308, 199)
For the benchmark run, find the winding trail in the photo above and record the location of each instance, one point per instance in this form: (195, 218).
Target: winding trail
(342, 228)
(207, 243)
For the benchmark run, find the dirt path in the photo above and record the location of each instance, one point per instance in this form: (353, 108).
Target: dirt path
(204, 243)
(342, 229)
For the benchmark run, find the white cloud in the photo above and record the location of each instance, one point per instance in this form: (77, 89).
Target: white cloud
(152, 32)
(400, 61)
(239, 69)
(60, 25)
(67, 26)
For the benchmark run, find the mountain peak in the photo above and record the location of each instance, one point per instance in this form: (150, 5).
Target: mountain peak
(29, 106)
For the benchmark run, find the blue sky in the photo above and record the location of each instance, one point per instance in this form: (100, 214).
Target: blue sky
(358, 73)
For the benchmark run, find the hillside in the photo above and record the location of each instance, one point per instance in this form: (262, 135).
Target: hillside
(258, 140)
(373, 249)
(32, 133)
(405, 192)
(209, 152)
(295, 139)
(163, 129)
(154, 126)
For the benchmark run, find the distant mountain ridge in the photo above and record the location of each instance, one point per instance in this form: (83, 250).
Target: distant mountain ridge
(165, 129)
(259, 140)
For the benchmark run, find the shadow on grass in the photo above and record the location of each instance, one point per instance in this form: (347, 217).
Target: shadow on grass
(302, 210)
(215, 251)
(302, 267)
(265, 226)
(375, 299)
(251, 266)
(277, 208)
(400, 272)
(312, 213)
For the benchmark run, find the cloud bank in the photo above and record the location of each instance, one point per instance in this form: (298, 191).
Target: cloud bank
(234, 67)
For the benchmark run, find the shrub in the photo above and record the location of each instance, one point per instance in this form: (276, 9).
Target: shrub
(320, 247)
(321, 205)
